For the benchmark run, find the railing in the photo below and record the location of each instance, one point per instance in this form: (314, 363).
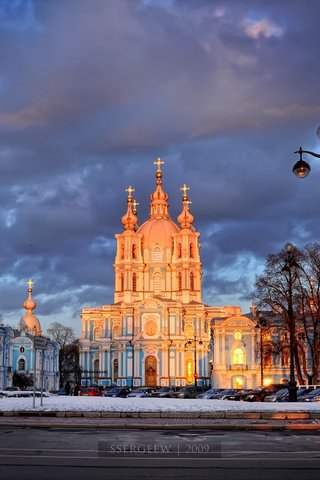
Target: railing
(237, 366)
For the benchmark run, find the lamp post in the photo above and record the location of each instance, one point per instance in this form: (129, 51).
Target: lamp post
(289, 264)
(302, 169)
(259, 327)
(130, 342)
(195, 373)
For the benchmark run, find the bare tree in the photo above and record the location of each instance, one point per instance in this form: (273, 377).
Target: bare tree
(68, 353)
(272, 296)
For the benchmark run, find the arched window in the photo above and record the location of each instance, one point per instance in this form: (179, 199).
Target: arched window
(179, 281)
(238, 336)
(122, 251)
(157, 283)
(96, 371)
(116, 332)
(191, 281)
(122, 282)
(134, 251)
(179, 250)
(238, 356)
(191, 250)
(21, 365)
(134, 282)
(157, 254)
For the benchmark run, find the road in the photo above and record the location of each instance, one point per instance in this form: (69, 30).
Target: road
(83, 454)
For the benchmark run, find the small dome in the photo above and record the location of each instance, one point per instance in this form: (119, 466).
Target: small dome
(156, 231)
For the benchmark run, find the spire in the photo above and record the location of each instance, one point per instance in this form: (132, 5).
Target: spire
(185, 218)
(159, 205)
(129, 220)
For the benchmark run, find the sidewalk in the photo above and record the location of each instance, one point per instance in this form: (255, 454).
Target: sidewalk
(167, 421)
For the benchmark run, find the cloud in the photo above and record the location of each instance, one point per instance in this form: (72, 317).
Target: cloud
(262, 28)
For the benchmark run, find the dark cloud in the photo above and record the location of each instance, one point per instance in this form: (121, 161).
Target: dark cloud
(91, 92)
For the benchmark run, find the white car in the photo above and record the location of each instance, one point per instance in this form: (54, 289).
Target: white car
(142, 392)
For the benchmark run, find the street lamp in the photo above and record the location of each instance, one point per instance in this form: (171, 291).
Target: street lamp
(302, 169)
(289, 264)
(195, 373)
(130, 342)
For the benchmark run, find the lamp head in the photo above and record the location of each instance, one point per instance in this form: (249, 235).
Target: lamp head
(301, 169)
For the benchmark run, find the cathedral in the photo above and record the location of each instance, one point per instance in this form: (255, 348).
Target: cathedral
(158, 331)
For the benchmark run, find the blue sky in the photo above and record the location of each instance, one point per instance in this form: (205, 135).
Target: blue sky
(91, 92)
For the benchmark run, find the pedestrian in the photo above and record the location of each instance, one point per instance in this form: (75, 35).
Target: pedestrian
(67, 388)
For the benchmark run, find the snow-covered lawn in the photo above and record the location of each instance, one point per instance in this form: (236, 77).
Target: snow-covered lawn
(86, 404)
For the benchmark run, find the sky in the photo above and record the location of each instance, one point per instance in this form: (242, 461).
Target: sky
(93, 91)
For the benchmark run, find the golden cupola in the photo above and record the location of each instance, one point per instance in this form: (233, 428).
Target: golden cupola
(30, 322)
(159, 228)
(185, 218)
(130, 220)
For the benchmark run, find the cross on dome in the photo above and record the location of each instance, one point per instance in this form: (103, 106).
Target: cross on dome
(159, 162)
(185, 189)
(135, 204)
(130, 190)
(30, 283)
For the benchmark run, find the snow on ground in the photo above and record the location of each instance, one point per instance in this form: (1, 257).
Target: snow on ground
(87, 404)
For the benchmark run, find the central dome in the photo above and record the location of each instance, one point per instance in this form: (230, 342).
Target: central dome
(158, 231)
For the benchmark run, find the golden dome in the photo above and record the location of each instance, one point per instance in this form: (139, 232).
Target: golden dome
(158, 232)
(30, 322)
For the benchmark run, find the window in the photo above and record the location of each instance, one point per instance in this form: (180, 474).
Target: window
(96, 371)
(191, 250)
(238, 356)
(122, 282)
(238, 335)
(191, 281)
(116, 332)
(157, 254)
(134, 251)
(21, 349)
(179, 250)
(21, 365)
(134, 282)
(179, 281)
(157, 283)
(96, 333)
(121, 251)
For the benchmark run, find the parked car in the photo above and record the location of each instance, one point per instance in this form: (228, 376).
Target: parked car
(164, 392)
(312, 396)
(209, 393)
(142, 392)
(118, 392)
(279, 396)
(90, 392)
(238, 395)
(261, 393)
(222, 394)
(188, 392)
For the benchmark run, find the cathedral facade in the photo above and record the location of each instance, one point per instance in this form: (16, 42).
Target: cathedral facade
(158, 331)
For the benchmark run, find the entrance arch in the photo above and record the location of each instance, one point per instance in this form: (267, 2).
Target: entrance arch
(151, 371)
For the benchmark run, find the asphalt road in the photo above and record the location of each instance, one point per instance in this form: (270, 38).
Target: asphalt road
(122, 454)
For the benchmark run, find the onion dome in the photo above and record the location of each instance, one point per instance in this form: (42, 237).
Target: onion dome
(185, 218)
(159, 228)
(129, 220)
(30, 322)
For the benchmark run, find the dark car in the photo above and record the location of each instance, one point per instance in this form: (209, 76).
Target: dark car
(118, 392)
(311, 396)
(238, 395)
(188, 392)
(164, 392)
(261, 393)
(224, 393)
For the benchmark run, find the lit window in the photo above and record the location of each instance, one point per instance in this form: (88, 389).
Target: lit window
(238, 335)
(238, 356)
